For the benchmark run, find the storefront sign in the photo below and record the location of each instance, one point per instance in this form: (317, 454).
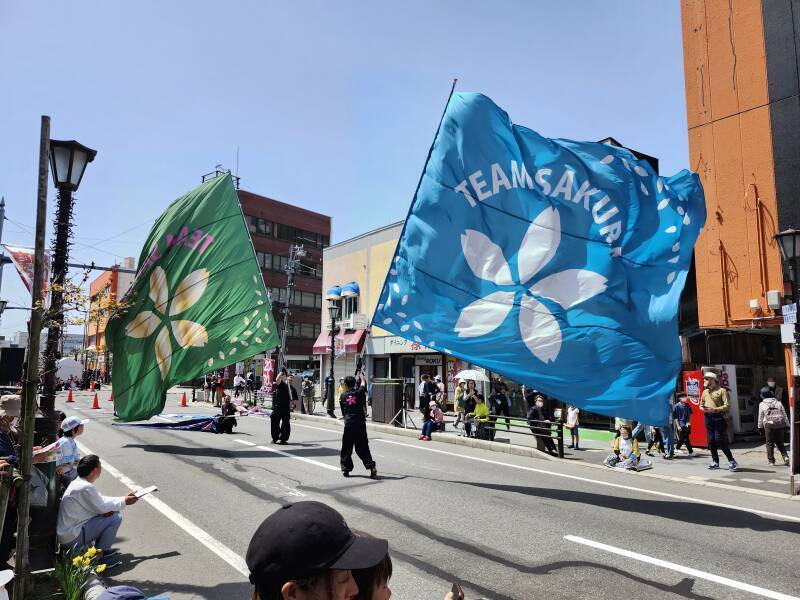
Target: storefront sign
(789, 312)
(432, 361)
(398, 345)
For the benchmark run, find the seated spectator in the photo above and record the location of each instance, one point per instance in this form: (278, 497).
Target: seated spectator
(67, 450)
(228, 420)
(305, 550)
(85, 517)
(438, 417)
(481, 415)
(625, 450)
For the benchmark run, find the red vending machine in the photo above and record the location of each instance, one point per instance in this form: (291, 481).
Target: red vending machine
(693, 387)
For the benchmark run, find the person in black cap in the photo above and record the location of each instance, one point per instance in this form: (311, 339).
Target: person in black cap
(306, 551)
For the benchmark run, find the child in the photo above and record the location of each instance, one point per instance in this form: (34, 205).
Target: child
(625, 449)
(572, 425)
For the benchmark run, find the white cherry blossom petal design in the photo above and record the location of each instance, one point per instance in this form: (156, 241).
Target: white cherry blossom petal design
(570, 287)
(189, 334)
(539, 244)
(540, 330)
(163, 352)
(485, 258)
(484, 315)
(159, 290)
(189, 291)
(143, 325)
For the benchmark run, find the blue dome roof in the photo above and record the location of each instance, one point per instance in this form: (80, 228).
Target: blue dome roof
(350, 289)
(334, 293)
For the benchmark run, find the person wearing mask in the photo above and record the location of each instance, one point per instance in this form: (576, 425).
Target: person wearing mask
(500, 404)
(458, 401)
(540, 426)
(281, 410)
(573, 422)
(471, 396)
(438, 417)
(353, 404)
(481, 415)
(67, 450)
(682, 413)
(772, 423)
(308, 395)
(427, 418)
(306, 551)
(715, 403)
(625, 450)
(87, 518)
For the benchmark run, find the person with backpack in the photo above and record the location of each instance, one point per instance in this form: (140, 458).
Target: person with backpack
(772, 421)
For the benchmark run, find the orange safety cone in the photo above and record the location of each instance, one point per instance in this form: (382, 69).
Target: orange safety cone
(91, 386)
(112, 397)
(69, 397)
(96, 403)
(183, 400)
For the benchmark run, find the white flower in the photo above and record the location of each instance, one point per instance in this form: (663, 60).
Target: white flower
(538, 327)
(187, 333)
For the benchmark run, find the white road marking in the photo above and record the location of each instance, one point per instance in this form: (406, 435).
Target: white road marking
(244, 442)
(755, 511)
(165, 419)
(781, 481)
(317, 428)
(681, 569)
(749, 480)
(303, 458)
(217, 547)
(698, 477)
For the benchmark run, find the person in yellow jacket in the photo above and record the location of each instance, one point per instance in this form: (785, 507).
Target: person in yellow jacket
(481, 415)
(625, 449)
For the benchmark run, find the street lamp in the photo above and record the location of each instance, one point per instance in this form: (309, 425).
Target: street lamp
(333, 315)
(68, 160)
(789, 245)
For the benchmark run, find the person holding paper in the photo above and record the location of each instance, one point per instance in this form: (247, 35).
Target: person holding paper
(86, 517)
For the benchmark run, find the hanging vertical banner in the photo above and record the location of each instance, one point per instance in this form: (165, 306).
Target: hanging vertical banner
(268, 376)
(23, 259)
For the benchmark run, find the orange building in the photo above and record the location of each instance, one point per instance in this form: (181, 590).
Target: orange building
(743, 118)
(104, 291)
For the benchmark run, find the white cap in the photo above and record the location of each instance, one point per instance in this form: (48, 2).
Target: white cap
(710, 374)
(432, 403)
(71, 423)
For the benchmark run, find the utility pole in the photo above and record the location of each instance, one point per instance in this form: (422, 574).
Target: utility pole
(21, 581)
(3, 258)
(296, 252)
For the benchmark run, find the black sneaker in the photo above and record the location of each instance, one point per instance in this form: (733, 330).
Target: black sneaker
(346, 473)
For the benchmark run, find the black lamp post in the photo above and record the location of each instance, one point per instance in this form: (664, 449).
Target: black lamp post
(789, 244)
(68, 160)
(333, 315)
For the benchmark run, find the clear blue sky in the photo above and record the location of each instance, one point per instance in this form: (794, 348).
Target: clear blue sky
(332, 105)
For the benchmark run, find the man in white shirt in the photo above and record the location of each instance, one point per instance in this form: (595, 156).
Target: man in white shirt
(85, 516)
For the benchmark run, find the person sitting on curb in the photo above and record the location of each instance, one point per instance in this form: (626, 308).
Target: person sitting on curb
(305, 551)
(67, 450)
(85, 517)
(438, 417)
(625, 450)
(481, 416)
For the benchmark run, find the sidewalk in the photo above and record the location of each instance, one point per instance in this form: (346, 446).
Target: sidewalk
(754, 474)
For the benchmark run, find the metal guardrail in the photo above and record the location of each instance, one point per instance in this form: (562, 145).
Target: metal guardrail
(555, 429)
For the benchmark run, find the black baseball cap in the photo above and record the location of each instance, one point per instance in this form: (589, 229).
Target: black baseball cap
(303, 539)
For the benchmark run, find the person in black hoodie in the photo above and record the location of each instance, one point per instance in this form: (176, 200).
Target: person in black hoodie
(281, 400)
(353, 403)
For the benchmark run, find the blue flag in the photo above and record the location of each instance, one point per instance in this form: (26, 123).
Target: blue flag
(555, 263)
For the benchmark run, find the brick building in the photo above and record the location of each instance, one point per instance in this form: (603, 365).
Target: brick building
(274, 226)
(743, 117)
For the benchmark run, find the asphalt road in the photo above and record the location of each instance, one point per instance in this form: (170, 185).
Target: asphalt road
(504, 526)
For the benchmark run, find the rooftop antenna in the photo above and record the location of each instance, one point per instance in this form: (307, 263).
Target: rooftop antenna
(237, 160)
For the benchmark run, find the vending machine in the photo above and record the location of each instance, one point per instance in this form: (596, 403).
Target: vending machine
(693, 387)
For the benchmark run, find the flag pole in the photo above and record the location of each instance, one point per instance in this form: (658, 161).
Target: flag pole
(419, 184)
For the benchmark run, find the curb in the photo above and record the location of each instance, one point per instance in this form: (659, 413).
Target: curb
(517, 450)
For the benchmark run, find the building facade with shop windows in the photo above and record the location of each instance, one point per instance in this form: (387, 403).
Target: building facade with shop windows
(274, 227)
(353, 276)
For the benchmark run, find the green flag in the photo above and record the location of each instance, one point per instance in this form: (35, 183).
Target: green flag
(198, 301)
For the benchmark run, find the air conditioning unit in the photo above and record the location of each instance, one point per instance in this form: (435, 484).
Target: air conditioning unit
(354, 321)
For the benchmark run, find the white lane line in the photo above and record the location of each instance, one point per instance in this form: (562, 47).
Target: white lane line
(339, 430)
(698, 477)
(681, 569)
(217, 547)
(754, 511)
(165, 419)
(749, 480)
(303, 458)
(780, 481)
(244, 442)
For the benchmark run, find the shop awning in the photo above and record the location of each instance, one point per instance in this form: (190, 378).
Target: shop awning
(353, 341)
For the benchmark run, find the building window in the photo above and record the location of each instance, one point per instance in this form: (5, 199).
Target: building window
(349, 306)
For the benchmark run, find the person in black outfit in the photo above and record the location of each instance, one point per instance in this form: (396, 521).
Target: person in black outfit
(228, 419)
(470, 400)
(539, 423)
(499, 404)
(353, 403)
(281, 400)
